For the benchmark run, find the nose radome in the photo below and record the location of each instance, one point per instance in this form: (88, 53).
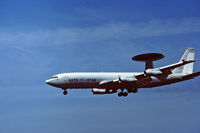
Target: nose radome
(48, 82)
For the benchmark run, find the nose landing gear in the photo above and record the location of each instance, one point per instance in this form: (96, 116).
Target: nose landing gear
(65, 92)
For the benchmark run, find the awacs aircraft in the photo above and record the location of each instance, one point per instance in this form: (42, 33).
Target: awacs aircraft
(108, 83)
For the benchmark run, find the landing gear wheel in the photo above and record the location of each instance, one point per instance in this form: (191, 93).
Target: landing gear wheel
(65, 92)
(120, 94)
(129, 90)
(125, 94)
(135, 90)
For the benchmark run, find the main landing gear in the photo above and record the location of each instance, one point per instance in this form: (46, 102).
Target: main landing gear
(64, 92)
(122, 93)
(135, 90)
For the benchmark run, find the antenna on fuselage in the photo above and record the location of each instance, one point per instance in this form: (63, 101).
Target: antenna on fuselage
(148, 58)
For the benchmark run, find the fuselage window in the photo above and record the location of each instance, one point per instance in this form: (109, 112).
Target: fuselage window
(91, 80)
(54, 77)
(73, 80)
(79, 80)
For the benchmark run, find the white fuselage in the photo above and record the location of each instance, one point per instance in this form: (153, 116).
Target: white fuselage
(110, 82)
(92, 80)
(83, 80)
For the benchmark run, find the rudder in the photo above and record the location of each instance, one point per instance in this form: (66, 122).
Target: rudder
(188, 68)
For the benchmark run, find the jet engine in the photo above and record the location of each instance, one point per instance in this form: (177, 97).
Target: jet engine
(103, 91)
(153, 72)
(128, 79)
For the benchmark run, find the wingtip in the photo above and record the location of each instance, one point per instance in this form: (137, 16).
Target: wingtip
(191, 49)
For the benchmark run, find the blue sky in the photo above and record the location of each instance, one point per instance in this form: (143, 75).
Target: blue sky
(41, 38)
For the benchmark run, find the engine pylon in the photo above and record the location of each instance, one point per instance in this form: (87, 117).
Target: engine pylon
(148, 58)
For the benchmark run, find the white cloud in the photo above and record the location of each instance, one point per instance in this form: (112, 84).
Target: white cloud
(115, 31)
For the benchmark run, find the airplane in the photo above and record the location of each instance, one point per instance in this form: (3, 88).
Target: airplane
(129, 82)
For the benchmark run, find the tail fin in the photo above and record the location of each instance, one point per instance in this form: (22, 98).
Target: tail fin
(188, 68)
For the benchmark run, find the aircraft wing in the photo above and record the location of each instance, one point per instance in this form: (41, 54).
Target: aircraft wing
(107, 83)
(142, 78)
(172, 66)
(117, 82)
(162, 70)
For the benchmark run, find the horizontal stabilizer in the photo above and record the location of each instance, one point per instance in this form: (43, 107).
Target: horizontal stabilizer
(191, 76)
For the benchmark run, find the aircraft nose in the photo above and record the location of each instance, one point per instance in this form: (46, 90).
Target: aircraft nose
(48, 82)
(51, 82)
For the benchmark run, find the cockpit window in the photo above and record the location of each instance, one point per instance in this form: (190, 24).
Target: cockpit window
(54, 77)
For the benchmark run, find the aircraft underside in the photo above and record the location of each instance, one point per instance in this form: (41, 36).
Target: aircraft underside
(125, 87)
(109, 83)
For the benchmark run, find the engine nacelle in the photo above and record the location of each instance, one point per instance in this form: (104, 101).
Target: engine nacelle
(103, 91)
(153, 72)
(128, 79)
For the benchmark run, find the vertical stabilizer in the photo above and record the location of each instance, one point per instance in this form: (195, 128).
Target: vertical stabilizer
(188, 68)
